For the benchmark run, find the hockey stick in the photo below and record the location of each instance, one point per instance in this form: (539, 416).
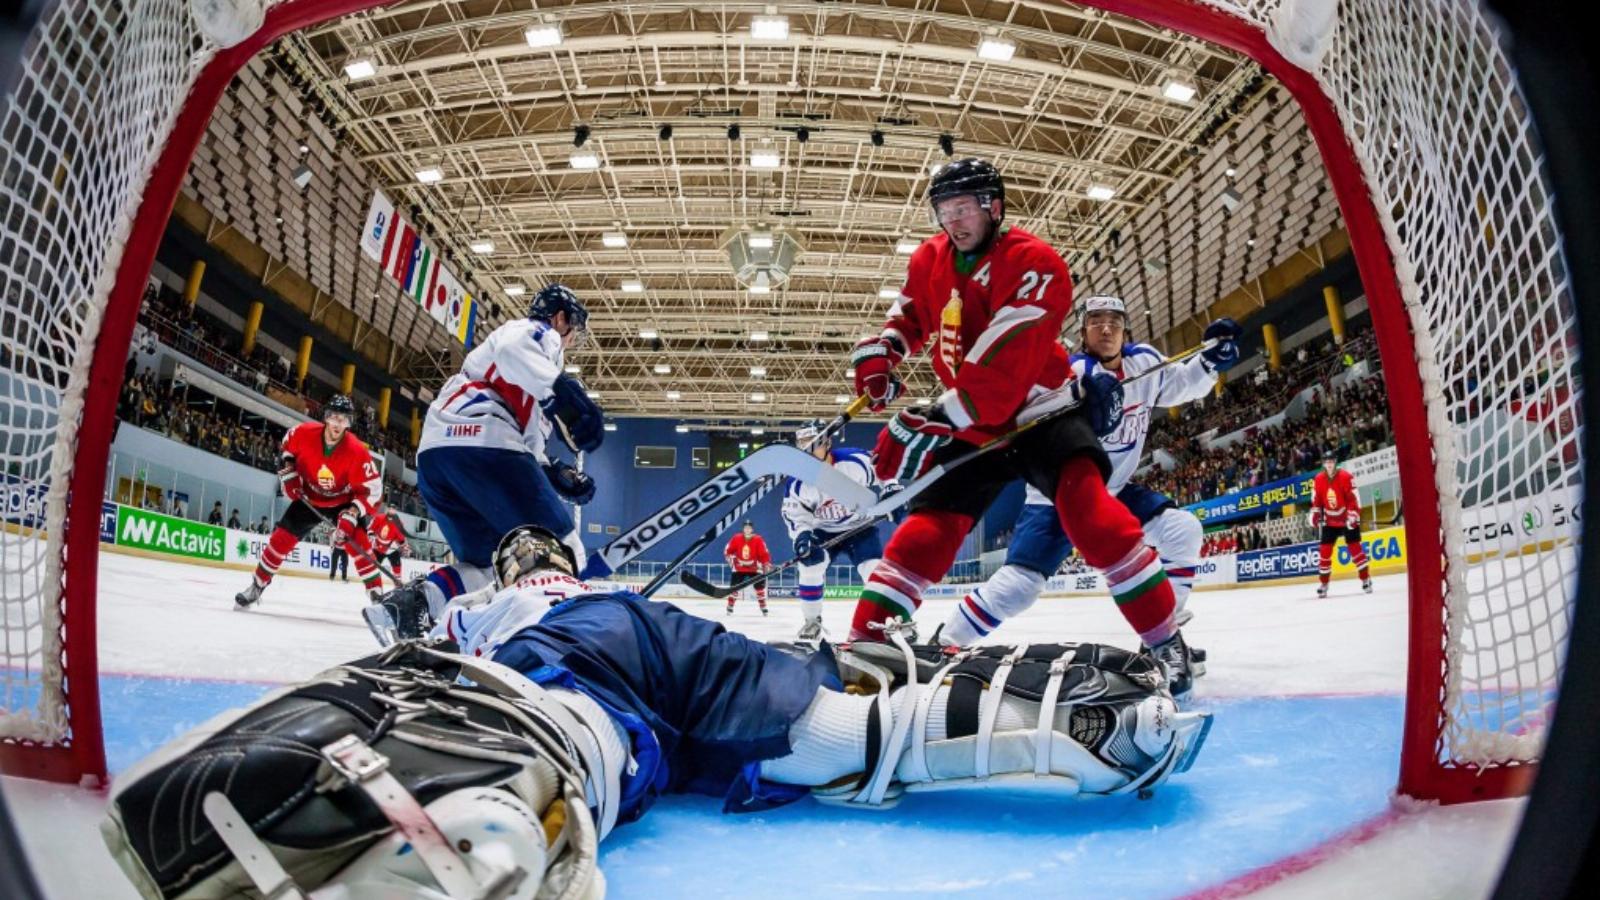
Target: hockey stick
(750, 501)
(773, 459)
(888, 505)
(357, 551)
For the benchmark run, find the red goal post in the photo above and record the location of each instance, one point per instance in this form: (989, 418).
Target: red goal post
(1478, 677)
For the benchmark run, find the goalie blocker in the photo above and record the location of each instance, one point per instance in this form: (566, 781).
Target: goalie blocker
(390, 776)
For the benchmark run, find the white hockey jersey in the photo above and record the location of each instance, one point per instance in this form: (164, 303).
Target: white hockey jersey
(494, 400)
(805, 508)
(481, 628)
(1175, 385)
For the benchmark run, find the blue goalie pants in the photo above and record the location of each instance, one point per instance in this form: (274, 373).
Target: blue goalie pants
(477, 494)
(702, 705)
(1039, 544)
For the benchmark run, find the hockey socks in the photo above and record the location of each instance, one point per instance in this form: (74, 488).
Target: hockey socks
(921, 550)
(278, 547)
(1325, 562)
(449, 582)
(1008, 592)
(1358, 555)
(810, 596)
(1110, 539)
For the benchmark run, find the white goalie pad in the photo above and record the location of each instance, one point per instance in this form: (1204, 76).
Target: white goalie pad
(1081, 719)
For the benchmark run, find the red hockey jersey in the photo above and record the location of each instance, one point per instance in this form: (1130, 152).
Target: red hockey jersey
(993, 333)
(333, 478)
(748, 554)
(387, 535)
(1337, 497)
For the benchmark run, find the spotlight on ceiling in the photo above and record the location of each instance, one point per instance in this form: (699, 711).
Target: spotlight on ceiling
(877, 138)
(947, 144)
(580, 134)
(802, 134)
(733, 132)
(665, 133)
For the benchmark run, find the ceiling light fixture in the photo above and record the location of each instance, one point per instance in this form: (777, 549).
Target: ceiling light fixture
(770, 28)
(675, 395)
(357, 69)
(541, 36)
(515, 290)
(760, 336)
(764, 159)
(888, 293)
(573, 370)
(758, 371)
(633, 286)
(761, 240)
(584, 159)
(1101, 192)
(996, 49)
(430, 175)
(1178, 88)
(758, 397)
(906, 246)
(757, 430)
(609, 426)
(663, 369)
(482, 247)
(681, 429)
(614, 239)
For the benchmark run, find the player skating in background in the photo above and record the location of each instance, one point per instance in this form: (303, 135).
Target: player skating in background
(388, 539)
(327, 474)
(813, 518)
(1336, 513)
(989, 303)
(1038, 544)
(747, 554)
(482, 466)
(568, 712)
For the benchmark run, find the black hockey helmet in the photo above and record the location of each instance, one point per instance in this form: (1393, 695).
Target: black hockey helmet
(748, 523)
(554, 298)
(976, 177)
(531, 548)
(1330, 455)
(340, 404)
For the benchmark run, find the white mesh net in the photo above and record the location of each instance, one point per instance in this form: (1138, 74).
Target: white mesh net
(1446, 147)
(102, 84)
(1441, 136)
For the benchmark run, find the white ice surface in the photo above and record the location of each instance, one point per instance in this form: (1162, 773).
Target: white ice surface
(162, 618)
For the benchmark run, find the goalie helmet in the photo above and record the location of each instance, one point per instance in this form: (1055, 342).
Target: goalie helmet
(531, 548)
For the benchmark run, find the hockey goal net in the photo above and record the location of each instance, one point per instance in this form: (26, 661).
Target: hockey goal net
(1427, 143)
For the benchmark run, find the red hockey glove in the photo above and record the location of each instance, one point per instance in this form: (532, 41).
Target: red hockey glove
(874, 359)
(289, 477)
(347, 525)
(1352, 519)
(906, 445)
(1315, 518)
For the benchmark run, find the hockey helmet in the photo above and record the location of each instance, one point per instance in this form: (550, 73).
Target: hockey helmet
(339, 404)
(976, 177)
(1330, 455)
(806, 435)
(554, 298)
(531, 548)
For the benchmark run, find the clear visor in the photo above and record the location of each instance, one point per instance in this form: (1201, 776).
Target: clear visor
(338, 419)
(576, 335)
(960, 208)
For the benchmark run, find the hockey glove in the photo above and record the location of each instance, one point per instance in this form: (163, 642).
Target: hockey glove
(1224, 355)
(1352, 519)
(349, 523)
(289, 477)
(1315, 518)
(1100, 397)
(580, 418)
(806, 549)
(570, 483)
(874, 359)
(906, 445)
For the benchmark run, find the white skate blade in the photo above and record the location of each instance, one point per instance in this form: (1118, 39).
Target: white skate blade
(1197, 732)
(381, 623)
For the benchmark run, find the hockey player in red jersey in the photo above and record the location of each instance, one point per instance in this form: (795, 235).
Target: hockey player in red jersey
(327, 474)
(1336, 512)
(387, 538)
(988, 302)
(747, 554)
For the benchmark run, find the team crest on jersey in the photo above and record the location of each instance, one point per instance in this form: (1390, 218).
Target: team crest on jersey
(325, 479)
(950, 332)
(744, 552)
(1333, 498)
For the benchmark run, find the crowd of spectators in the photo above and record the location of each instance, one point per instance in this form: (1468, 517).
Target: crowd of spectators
(1352, 420)
(1238, 539)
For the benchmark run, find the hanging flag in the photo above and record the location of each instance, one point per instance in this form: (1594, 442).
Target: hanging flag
(400, 252)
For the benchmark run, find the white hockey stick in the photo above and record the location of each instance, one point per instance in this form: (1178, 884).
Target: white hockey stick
(773, 459)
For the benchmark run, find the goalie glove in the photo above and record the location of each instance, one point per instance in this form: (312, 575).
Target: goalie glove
(289, 478)
(906, 445)
(874, 359)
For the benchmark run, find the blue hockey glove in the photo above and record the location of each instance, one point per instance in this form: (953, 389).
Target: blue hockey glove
(580, 417)
(807, 550)
(570, 483)
(1101, 399)
(1224, 355)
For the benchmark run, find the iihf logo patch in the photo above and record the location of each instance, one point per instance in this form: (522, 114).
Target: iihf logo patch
(462, 431)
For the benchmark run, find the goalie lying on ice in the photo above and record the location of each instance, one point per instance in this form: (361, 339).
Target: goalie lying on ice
(496, 771)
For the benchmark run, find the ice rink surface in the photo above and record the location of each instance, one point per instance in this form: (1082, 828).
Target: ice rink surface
(1291, 796)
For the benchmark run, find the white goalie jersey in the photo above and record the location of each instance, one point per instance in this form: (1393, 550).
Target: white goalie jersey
(1175, 385)
(806, 508)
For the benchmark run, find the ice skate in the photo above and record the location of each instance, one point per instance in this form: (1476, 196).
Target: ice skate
(1179, 663)
(1322, 591)
(811, 630)
(249, 596)
(1366, 586)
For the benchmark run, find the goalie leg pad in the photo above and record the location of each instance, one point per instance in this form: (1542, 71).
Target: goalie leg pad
(1084, 718)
